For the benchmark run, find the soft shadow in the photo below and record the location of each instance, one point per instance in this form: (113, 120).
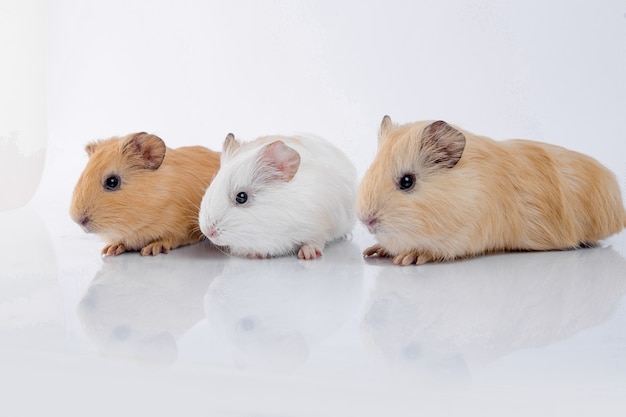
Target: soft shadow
(444, 322)
(273, 311)
(138, 307)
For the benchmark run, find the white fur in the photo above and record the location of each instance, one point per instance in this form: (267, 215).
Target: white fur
(310, 210)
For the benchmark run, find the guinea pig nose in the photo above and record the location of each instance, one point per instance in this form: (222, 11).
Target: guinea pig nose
(211, 232)
(370, 222)
(83, 221)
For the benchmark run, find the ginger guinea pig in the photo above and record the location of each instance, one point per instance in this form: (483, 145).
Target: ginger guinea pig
(279, 195)
(139, 195)
(436, 193)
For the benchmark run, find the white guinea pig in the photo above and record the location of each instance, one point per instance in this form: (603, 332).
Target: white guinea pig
(279, 195)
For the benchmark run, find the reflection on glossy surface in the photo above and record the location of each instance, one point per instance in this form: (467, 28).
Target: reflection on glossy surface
(138, 307)
(335, 336)
(446, 322)
(273, 311)
(31, 307)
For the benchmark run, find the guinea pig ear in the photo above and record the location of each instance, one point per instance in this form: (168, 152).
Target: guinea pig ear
(442, 144)
(148, 149)
(230, 146)
(277, 162)
(91, 147)
(385, 127)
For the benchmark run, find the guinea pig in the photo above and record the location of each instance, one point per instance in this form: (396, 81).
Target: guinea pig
(137, 194)
(279, 195)
(435, 192)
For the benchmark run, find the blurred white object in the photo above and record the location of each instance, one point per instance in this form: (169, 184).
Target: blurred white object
(22, 99)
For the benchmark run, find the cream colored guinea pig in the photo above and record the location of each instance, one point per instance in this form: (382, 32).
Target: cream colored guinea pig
(435, 193)
(139, 195)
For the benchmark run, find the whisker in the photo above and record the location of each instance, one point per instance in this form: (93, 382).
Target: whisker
(224, 250)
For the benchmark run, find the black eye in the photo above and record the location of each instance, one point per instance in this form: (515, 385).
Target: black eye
(112, 183)
(406, 182)
(241, 197)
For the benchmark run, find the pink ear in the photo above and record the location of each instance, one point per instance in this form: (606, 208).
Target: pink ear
(278, 162)
(149, 150)
(230, 146)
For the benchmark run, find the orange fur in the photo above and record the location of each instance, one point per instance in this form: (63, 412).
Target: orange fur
(154, 210)
(500, 196)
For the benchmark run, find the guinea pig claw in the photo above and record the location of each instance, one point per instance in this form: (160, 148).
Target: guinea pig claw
(155, 248)
(309, 251)
(114, 249)
(411, 257)
(406, 259)
(376, 250)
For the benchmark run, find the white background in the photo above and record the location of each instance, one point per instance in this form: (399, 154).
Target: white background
(192, 71)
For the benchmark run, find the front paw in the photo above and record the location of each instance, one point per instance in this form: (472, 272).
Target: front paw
(113, 249)
(405, 258)
(376, 250)
(309, 251)
(412, 257)
(155, 248)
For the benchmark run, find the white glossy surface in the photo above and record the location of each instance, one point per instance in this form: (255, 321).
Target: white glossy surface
(198, 332)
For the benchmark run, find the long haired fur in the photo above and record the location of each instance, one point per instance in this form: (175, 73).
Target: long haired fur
(499, 196)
